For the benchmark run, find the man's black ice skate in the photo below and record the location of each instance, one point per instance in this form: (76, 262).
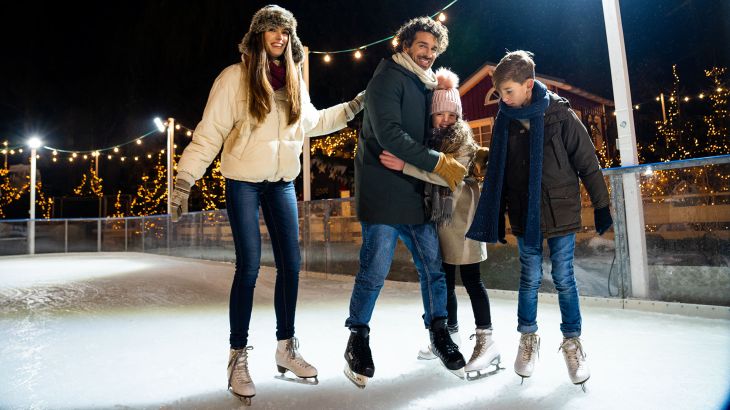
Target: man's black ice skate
(445, 349)
(359, 359)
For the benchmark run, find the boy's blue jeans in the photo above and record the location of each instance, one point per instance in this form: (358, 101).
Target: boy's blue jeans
(376, 256)
(278, 202)
(561, 254)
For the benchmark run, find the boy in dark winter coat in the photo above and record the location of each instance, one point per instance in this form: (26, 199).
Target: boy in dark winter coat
(539, 151)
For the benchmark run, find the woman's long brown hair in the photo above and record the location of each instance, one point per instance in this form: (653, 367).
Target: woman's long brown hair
(260, 92)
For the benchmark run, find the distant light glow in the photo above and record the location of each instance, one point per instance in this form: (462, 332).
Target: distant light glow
(159, 124)
(34, 142)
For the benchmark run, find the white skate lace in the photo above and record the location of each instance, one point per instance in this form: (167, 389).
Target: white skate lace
(529, 343)
(292, 347)
(239, 363)
(572, 354)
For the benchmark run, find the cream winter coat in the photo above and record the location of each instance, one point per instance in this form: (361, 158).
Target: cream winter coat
(253, 152)
(455, 248)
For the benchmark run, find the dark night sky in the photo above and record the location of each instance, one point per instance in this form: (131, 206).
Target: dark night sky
(85, 75)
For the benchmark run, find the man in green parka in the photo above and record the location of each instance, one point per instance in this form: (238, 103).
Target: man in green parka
(389, 203)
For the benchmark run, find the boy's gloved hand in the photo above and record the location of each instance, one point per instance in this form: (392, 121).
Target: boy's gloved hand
(179, 199)
(355, 106)
(450, 170)
(481, 156)
(501, 228)
(603, 219)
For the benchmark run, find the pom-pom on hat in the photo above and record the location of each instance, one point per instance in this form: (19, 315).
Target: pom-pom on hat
(446, 95)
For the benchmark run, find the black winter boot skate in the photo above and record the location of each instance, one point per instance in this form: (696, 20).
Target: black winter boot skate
(359, 359)
(445, 349)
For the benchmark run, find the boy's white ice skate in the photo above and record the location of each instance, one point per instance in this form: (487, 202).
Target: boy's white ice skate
(239, 380)
(486, 354)
(288, 358)
(527, 354)
(575, 360)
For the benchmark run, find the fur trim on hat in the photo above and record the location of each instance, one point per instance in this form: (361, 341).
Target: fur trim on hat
(446, 79)
(269, 17)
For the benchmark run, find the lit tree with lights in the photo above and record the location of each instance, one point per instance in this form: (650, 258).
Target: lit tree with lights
(90, 185)
(717, 121)
(151, 198)
(9, 192)
(213, 188)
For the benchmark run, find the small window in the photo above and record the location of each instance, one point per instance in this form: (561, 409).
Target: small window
(492, 97)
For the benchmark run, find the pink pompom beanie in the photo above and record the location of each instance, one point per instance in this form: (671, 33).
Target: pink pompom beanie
(446, 95)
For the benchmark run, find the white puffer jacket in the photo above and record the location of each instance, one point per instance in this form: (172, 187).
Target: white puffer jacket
(253, 152)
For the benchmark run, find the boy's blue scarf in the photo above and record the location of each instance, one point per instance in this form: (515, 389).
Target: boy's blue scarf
(486, 220)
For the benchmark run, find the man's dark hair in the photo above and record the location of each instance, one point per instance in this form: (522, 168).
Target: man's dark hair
(407, 33)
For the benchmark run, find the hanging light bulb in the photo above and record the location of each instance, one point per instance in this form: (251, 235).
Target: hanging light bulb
(636, 107)
(149, 155)
(123, 158)
(139, 141)
(394, 42)
(55, 152)
(702, 95)
(86, 156)
(177, 126)
(358, 54)
(442, 17)
(54, 159)
(327, 58)
(108, 157)
(686, 99)
(20, 150)
(116, 149)
(74, 155)
(189, 133)
(136, 158)
(70, 159)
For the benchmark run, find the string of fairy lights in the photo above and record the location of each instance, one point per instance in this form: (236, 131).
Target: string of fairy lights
(359, 52)
(110, 152)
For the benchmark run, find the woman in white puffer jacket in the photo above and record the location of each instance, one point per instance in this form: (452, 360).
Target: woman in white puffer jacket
(259, 112)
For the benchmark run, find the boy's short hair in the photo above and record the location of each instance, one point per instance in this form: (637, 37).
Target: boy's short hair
(517, 66)
(407, 33)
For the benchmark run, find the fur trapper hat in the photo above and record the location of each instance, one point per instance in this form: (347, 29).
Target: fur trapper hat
(273, 16)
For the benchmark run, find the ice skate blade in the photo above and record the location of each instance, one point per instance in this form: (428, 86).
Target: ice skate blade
(582, 384)
(421, 357)
(458, 373)
(477, 374)
(357, 379)
(311, 381)
(245, 399)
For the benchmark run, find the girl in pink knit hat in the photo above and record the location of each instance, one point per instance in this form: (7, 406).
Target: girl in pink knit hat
(453, 212)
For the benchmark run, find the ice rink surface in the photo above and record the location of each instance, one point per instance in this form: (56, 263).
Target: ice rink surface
(128, 330)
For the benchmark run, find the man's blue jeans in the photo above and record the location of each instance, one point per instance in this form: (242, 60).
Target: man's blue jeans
(279, 204)
(376, 256)
(561, 254)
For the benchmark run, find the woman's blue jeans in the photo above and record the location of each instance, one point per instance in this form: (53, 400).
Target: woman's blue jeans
(279, 204)
(561, 255)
